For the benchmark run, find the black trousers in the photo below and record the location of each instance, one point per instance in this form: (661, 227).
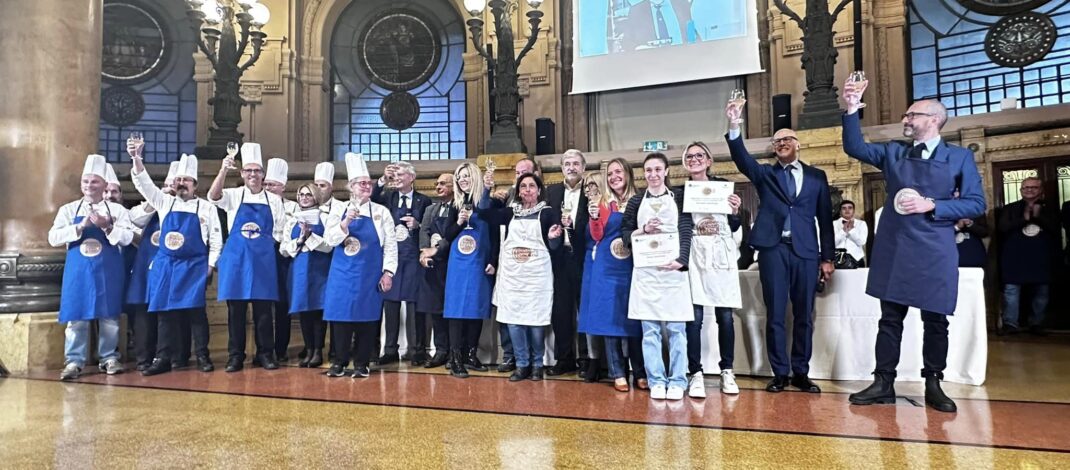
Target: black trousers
(313, 330)
(171, 344)
(440, 333)
(282, 328)
(890, 337)
(145, 333)
(345, 334)
(464, 333)
(726, 339)
(392, 318)
(237, 319)
(568, 277)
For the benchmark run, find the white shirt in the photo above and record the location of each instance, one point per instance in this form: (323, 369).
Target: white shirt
(855, 240)
(407, 201)
(233, 198)
(384, 227)
(877, 219)
(65, 231)
(930, 145)
(211, 232)
(572, 202)
(314, 242)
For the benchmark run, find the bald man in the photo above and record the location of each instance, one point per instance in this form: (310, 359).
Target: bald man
(922, 177)
(791, 196)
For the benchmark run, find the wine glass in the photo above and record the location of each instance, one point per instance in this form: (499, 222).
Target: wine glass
(138, 140)
(855, 78)
(656, 204)
(738, 97)
(232, 150)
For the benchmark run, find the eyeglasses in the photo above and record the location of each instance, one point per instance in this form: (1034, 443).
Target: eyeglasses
(912, 116)
(1034, 188)
(364, 183)
(441, 183)
(784, 140)
(695, 156)
(252, 171)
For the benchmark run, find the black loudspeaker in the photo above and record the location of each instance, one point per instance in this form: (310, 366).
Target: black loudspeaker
(545, 137)
(781, 112)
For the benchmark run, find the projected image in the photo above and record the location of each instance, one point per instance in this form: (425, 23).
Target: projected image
(615, 26)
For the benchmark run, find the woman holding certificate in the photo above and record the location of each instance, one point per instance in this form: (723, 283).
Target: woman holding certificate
(659, 236)
(607, 274)
(713, 270)
(308, 272)
(525, 290)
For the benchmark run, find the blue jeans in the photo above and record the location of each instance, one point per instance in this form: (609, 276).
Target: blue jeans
(1012, 296)
(529, 344)
(507, 342)
(76, 344)
(726, 339)
(618, 368)
(655, 366)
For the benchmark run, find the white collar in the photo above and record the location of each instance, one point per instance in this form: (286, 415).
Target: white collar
(930, 144)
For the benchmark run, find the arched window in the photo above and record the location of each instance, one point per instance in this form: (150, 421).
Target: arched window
(147, 80)
(396, 76)
(971, 54)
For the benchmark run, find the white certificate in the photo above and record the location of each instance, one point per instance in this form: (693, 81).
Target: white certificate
(310, 216)
(656, 249)
(708, 197)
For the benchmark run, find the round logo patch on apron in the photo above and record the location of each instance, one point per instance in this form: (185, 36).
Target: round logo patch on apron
(902, 196)
(174, 240)
(90, 248)
(1031, 230)
(250, 230)
(707, 226)
(619, 250)
(352, 246)
(466, 244)
(522, 254)
(435, 238)
(401, 233)
(155, 238)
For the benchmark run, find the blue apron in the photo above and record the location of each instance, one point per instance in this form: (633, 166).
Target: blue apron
(353, 282)
(308, 275)
(137, 292)
(468, 287)
(92, 276)
(607, 281)
(406, 285)
(433, 288)
(914, 260)
(179, 272)
(247, 268)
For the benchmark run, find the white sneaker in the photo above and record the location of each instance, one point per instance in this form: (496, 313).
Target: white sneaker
(675, 393)
(70, 372)
(112, 367)
(697, 387)
(657, 392)
(728, 382)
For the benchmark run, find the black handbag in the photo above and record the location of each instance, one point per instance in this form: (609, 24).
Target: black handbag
(844, 260)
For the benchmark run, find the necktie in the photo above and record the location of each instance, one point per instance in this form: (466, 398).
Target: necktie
(789, 185)
(916, 151)
(663, 29)
(404, 202)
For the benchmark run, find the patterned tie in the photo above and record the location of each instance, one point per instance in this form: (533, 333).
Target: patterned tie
(789, 186)
(663, 29)
(917, 150)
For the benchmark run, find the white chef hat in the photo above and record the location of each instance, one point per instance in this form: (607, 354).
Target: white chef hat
(172, 171)
(250, 155)
(277, 170)
(355, 166)
(187, 167)
(324, 172)
(95, 165)
(109, 175)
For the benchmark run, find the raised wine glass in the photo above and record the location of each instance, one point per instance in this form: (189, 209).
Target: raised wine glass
(857, 77)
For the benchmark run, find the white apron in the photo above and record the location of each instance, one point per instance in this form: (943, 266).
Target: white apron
(524, 293)
(660, 295)
(714, 269)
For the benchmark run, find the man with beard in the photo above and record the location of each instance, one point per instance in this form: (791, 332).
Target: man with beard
(791, 261)
(568, 198)
(275, 182)
(189, 244)
(437, 219)
(914, 262)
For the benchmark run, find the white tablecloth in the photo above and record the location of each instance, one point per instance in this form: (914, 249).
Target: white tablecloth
(845, 331)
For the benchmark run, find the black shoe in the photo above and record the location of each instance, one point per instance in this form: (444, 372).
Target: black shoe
(472, 361)
(204, 363)
(268, 361)
(507, 365)
(804, 383)
(562, 368)
(282, 358)
(179, 365)
(141, 366)
(880, 392)
(593, 371)
(306, 357)
(407, 356)
(317, 358)
(581, 367)
(158, 367)
(520, 373)
(256, 362)
(778, 384)
(234, 364)
(389, 359)
(1007, 331)
(419, 359)
(536, 374)
(361, 372)
(303, 354)
(935, 397)
(336, 370)
(438, 360)
(457, 369)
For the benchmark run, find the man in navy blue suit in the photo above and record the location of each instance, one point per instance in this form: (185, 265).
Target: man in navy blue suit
(790, 259)
(914, 262)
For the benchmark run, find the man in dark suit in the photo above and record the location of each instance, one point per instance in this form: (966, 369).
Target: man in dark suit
(1030, 240)
(568, 198)
(914, 261)
(432, 294)
(656, 23)
(790, 259)
(407, 207)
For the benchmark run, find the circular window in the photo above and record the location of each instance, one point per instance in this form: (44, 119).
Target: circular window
(399, 50)
(135, 44)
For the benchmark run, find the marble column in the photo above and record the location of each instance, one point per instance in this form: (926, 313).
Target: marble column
(50, 64)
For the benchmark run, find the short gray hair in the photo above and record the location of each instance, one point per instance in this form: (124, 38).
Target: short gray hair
(574, 153)
(405, 167)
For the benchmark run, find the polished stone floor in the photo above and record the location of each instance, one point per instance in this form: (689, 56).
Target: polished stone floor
(419, 418)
